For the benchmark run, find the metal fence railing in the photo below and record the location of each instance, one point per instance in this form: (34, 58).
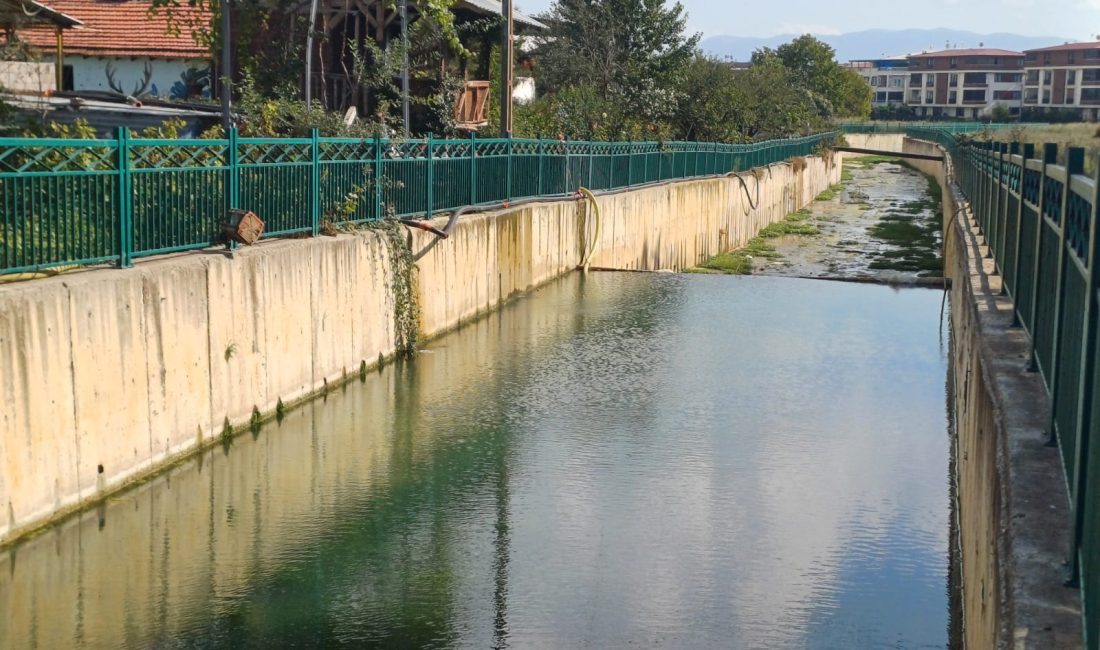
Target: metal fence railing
(1039, 219)
(66, 202)
(903, 127)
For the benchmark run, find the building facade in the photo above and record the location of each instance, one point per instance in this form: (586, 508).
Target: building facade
(123, 46)
(1063, 77)
(887, 76)
(965, 83)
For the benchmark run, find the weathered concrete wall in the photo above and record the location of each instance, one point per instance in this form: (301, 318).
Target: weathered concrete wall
(1013, 515)
(110, 375)
(878, 141)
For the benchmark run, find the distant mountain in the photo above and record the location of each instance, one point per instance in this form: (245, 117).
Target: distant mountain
(878, 42)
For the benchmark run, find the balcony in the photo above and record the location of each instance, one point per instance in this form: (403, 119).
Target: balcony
(976, 84)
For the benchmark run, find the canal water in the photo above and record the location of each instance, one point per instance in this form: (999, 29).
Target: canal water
(618, 460)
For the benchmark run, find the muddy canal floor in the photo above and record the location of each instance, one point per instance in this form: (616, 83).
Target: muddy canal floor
(882, 223)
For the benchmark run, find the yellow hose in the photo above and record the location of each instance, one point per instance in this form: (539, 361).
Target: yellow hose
(594, 247)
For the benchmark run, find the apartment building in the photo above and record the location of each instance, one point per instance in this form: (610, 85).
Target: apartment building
(967, 83)
(887, 77)
(1065, 77)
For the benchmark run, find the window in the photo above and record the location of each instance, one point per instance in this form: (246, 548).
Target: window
(975, 79)
(1071, 56)
(896, 98)
(897, 82)
(953, 97)
(1071, 77)
(1008, 77)
(954, 62)
(928, 63)
(929, 97)
(1031, 56)
(1046, 58)
(1033, 77)
(996, 60)
(929, 80)
(1090, 96)
(1090, 76)
(1031, 96)
(67, 77)
(1091, 55)
(915, 79)
(914, 96)
(953, 80)
(1008, 95)
(973, 96)
(1046, 96)
(1048, 76)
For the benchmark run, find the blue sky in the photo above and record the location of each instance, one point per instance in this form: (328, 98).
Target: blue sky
(1075, 19)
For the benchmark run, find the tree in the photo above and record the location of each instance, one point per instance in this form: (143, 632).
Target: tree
(629, 53)
(837, 91)
(724, 104)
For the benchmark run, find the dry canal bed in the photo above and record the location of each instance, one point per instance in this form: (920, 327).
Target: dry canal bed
(882, 223)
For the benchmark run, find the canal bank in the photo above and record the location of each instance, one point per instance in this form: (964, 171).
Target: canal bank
(1013, 512)
(113, 375)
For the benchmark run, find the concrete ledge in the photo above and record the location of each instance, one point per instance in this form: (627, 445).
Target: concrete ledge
(1013, 509)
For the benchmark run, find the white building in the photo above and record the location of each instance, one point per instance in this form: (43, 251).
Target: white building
(122, 44)
(887, 77)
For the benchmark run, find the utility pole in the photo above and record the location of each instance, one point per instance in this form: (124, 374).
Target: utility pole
(227, 70)
(507, 82)
(404, 9)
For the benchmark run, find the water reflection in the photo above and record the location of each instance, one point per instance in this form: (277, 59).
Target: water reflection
(627, 459)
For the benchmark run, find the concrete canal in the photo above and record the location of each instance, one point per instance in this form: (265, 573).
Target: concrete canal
(670, 460)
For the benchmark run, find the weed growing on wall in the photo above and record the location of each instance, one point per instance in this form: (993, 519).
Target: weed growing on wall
(406, 311)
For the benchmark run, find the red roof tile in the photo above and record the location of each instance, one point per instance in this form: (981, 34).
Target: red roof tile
(124, 28)
(1068, 46)
(971, 52)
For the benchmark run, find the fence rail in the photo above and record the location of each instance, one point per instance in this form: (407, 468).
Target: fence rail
(65, 202)
(1039, 220)
(904, 127)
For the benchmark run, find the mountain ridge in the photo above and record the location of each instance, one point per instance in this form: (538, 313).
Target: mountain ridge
(875, 43)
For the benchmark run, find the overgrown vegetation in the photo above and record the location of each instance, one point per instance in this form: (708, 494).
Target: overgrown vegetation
(913, 230)
(740, 261)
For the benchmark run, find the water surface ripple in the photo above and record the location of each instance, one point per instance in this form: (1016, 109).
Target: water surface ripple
(622, 460)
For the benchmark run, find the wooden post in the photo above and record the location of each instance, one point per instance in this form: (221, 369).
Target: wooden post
(59, 71)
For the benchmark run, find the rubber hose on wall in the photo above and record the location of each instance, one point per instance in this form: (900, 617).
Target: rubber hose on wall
(586, 261)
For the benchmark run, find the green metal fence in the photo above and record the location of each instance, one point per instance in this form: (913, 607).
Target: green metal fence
(65, 202)
(904, 127)
(1039, 219)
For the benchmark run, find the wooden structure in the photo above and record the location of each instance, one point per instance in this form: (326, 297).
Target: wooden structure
(346, 25)
(15, 14)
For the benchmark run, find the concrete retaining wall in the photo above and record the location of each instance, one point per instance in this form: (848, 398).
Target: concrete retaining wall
(1012, 507)
(110, 375)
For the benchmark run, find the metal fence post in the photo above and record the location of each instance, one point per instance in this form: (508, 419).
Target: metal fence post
(473, 168)
(378, 177)
(1075, 164)
(511, 171)
(431, 176)
(1088, 368)
(315, 181)
(1050, 156)
(125, 201)
(591, 164)
(1015, 252)
(542, 156)
(233, 161)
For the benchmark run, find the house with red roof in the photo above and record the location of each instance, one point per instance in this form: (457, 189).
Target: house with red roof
(122, 46)
(1063, 78)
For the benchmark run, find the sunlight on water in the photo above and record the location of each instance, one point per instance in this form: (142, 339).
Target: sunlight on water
(669, 461)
